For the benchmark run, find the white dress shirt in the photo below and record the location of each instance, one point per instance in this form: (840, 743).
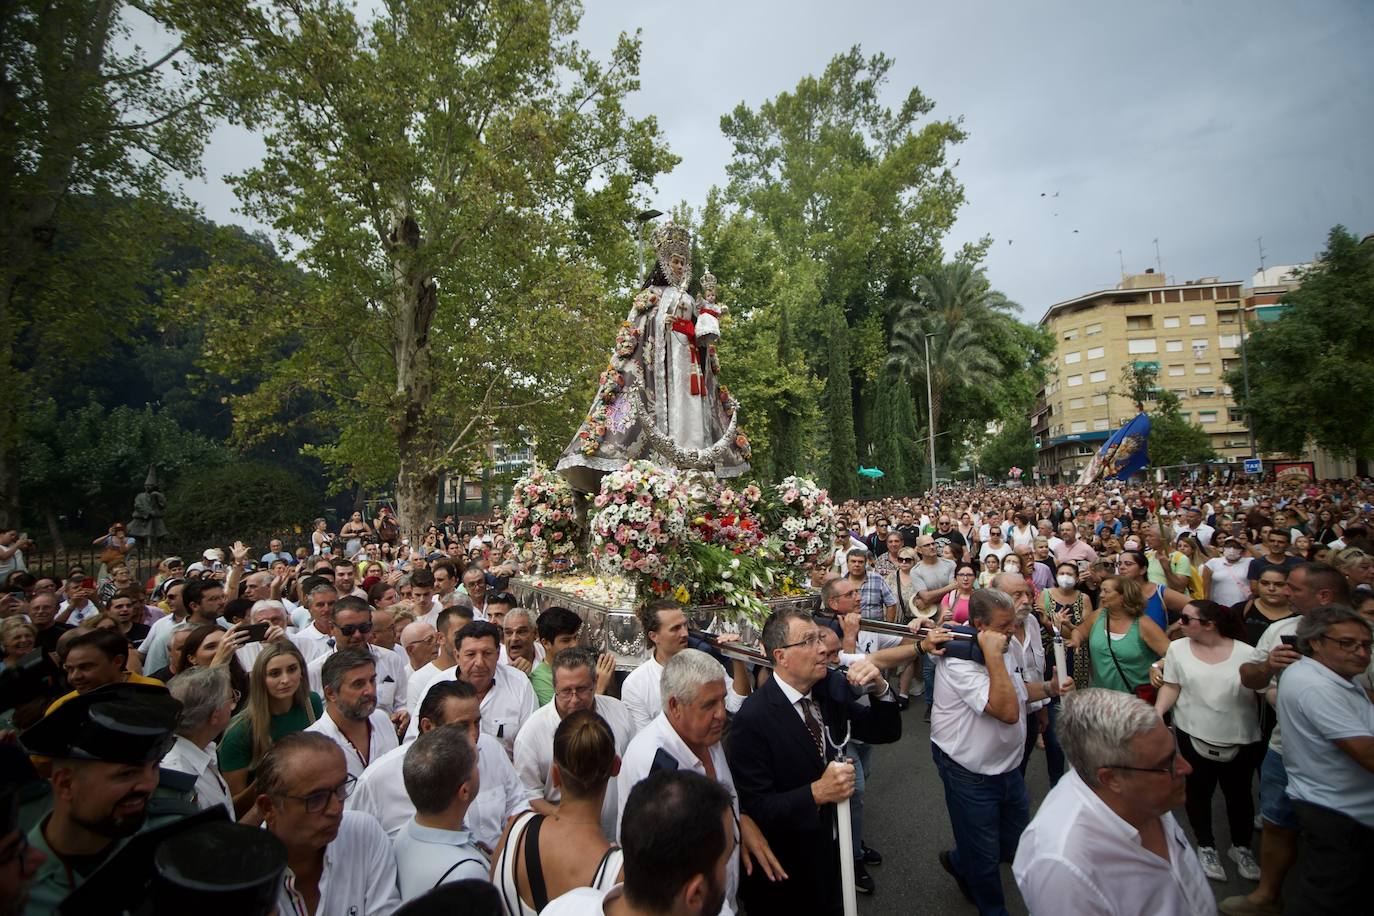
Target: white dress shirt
(381, 792)
(417, 685)
(1077, 856)
(428, 856)
(534, 754)
(359, 876)
(507, 705)
(312, 642)
(1028, 658)
(391, 677)
(381, 739)
(959, 724)
(583, 901)
(642, 693)
(211, 789)
(155, 645)
(638, 762)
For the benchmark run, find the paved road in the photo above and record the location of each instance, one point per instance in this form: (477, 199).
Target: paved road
(907, 823)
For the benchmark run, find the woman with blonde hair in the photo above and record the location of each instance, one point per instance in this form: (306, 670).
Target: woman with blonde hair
(279, 703)
(541, 857)
(1122, 641)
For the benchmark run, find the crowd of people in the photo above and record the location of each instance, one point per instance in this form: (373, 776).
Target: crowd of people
(394, 716)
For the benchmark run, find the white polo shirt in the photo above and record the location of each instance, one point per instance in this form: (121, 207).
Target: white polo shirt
(961, 728)
(638, 762)
(211, 789)
(643, 697)
(381, 792)
(312, 642)
(428, 856)
(359, 876)
(382, 739)
(507, 705)
(534, 754)
(391, 677)
(1318, 707)
(1077, 856)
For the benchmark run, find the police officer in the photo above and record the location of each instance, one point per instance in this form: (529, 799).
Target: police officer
(104, 747)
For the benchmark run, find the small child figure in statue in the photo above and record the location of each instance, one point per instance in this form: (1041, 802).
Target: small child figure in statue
(708, 313)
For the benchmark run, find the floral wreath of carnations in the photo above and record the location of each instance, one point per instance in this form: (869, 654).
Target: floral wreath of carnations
(541, 519)
(803, 518)
(639, 518)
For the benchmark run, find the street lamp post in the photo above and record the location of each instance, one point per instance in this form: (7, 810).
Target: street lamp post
(930, 412)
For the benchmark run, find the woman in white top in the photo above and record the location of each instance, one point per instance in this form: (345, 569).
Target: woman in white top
(995, 545)
(541, 857)
(1022, 534)
(1217, 726)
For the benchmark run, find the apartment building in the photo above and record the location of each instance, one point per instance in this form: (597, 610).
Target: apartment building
(1190, 332)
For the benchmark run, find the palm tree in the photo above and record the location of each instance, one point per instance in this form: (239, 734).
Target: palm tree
(960, 292)
(956, 355)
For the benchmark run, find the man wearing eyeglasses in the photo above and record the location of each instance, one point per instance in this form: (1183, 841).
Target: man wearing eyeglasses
(574, 689)
(1328, 752)
(337, 861)
(783, 752)
(352, 625)
(1105, 840)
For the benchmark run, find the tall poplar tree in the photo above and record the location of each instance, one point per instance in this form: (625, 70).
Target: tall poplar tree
(839, 412)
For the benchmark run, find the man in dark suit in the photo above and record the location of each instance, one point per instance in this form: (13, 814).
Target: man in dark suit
(779, 754)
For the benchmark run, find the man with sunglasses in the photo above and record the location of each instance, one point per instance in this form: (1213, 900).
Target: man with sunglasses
(1104, 839)
(352, 625)
(337, 861)
(1328, 752)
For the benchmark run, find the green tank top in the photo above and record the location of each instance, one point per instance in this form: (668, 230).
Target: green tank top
(1132, 655)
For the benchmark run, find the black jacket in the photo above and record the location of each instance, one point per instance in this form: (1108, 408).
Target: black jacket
(774, 761)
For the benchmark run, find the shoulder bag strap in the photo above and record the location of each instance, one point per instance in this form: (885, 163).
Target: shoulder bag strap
(444, 876)
(1107, 634)
(533, 867)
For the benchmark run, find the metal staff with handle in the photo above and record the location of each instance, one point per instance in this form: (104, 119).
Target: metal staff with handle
(844, 825)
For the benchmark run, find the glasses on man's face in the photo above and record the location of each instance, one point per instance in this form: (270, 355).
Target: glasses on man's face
(427, 641)
(1349, 644)
(348, 629)
(810, 642)
(1171, 768)
(571, 693)
(316, 802)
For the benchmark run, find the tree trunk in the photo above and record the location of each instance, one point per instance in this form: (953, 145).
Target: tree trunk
(414, 301)
(54, 530)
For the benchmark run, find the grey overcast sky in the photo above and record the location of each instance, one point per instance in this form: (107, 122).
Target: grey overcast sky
(1204, 124)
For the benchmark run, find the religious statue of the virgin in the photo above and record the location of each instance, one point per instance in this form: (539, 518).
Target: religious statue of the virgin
(659, 397)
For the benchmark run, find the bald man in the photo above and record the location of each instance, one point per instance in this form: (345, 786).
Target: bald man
(421, 644)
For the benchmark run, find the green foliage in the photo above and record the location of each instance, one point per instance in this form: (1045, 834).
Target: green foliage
(1173, 440)
(460, 182)
(95, 127)
(1139, 382)
(857, 197)
(1312, 370)
(1012, 447)
(215, 504)
(92, 462)
(843, 464)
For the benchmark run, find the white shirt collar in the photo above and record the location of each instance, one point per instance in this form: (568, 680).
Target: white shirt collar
(793, 695)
